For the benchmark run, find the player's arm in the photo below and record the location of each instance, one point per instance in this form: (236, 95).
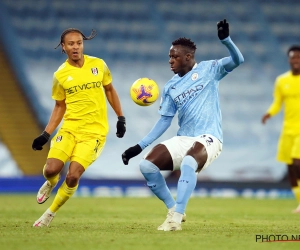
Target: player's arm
(159, 128)
(55, 119)
(236, 58)
(114, 101)
(276, 104)
(56, 116)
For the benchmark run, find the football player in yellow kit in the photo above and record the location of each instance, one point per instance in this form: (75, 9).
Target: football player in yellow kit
(287, 94)
(81, 86)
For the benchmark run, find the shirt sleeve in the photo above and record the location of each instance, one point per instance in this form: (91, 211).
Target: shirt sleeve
(277, 100)
(218, 69)
(107, 77)
(167, 106)
(236, 58)
(58, 92)
(159, 128)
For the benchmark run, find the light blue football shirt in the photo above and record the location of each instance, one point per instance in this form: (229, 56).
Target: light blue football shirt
(196, 98)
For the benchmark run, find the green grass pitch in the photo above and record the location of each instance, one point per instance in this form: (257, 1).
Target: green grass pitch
(130, 223)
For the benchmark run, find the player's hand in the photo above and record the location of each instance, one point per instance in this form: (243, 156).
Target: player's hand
(121, 126)
(40, 141)
(223, 29)
(265, 118)
(130, 153)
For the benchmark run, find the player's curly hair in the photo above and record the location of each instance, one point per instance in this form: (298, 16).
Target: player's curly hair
(62, 37)
(293, 48)
(186, 42)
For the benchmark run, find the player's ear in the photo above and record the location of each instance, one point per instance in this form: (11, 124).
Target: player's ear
(188, 56)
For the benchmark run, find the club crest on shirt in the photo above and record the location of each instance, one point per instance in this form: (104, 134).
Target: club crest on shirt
(94, 71)
(59, 138)
(194, 76)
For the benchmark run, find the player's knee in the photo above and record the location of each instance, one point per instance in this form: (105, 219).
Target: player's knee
(199, 153)
(296, 167)
(50, 170)
(147, 167)
(72, 180)
(296, 163)
(52, 167)
(190, 162)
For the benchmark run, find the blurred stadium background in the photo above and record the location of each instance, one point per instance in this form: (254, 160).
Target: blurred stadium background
(134, 38)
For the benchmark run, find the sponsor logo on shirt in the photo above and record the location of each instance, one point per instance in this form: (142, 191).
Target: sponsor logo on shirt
(187, 95)
(85, 86)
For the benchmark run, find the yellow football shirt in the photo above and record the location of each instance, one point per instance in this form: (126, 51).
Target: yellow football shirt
(82, 90)
(287, 94)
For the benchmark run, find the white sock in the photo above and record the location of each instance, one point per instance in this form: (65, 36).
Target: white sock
(172, 209)
(50, 212)
(177, 217)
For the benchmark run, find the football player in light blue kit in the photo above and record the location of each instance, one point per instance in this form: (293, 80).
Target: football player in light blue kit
(193, 93)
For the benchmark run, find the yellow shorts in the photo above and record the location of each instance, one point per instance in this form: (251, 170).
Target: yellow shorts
(80, 147)
(288, 148)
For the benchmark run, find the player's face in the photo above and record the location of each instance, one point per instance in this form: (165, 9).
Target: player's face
(73, 46)
(294, 60)
(179, 60)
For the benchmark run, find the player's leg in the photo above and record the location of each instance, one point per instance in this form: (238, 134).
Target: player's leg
(162, 157)
(68, 187)
(51, 173)
(61, 147)
(156, 160)
(65, 191)
(203, 151)
(289, 152)
(187, 183)
(296, 165)
(296, 170)
(194, 160)
(84, 154)
(294, 179)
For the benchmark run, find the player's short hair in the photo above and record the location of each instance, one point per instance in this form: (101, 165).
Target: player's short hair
(69, 30)
(293, 48)
(186, 42)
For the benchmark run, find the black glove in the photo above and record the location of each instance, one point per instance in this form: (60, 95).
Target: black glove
(121, 126)
(223, 29)
(40, 141)
(131, 152)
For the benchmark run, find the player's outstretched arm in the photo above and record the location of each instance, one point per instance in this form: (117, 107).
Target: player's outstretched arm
(159, 128)
(236, 58)
(130, 153)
